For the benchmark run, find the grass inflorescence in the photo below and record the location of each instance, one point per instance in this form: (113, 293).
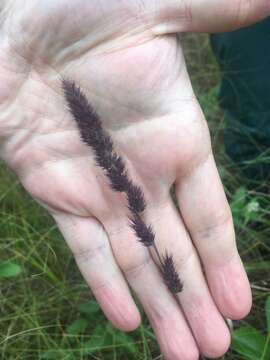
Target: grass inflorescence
(93, 134)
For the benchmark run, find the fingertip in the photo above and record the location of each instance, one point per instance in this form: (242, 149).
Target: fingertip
(210, 330)
(231, 290)
(212, 334)
(177, 342)
(176, 352)
(238, 302)
(119, 308)
(219, 344)
(130, 321)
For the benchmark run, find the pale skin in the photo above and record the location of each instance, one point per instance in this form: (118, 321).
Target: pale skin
(127, 59)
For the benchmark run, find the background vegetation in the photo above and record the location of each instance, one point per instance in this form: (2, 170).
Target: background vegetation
(45, 308)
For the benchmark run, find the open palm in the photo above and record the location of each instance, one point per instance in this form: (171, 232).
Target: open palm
(131, 67)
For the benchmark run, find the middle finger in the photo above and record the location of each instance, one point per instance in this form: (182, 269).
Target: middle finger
(204, 319)
(173, 334)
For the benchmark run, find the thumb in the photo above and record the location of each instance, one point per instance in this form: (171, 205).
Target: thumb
(209, 15)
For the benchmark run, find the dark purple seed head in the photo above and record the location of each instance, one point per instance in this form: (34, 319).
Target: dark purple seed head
(85, 116)
(170, 274)
(116, 173)
(136, 200)
(118, 182)
(95, 136)
(144, 233)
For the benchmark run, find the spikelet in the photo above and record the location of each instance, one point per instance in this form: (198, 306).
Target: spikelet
(170, 274)
(144, 233)
(136, 200)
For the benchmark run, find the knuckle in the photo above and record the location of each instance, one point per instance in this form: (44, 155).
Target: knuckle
(132, 257)
(134, 268)
(216, 225)
(87, 254)
(102, 284)
(193, 142)
(183, 263)
(174, 17)
(216, 241)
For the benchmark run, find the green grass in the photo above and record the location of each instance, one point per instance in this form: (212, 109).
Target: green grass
(46, 309)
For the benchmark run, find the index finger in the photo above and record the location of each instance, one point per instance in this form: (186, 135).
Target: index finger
(207, 215)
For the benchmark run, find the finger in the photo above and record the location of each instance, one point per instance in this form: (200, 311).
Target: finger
(172, 332)
(209, 15)
(223, 15)
(89, 243)
(207, 215)
(204, 319)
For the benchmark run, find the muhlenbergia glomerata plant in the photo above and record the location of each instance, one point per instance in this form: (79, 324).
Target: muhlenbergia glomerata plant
(93, 135)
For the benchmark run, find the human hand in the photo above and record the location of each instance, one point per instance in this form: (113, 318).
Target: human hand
(134, 74)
